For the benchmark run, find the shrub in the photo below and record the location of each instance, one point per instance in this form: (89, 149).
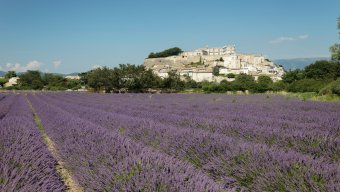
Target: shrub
(331, 88)
(307, 85)
(231, 75)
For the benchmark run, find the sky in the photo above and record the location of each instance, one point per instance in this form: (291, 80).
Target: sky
(64, 36)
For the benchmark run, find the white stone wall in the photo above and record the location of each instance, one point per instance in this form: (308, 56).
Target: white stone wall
(197, 75)
(202, 76)
(231, 61)
(12, 81)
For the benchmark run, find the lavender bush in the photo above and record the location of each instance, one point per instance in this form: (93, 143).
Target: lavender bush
(170, 142)
(253, 142)
(25, 162)
(102, 160)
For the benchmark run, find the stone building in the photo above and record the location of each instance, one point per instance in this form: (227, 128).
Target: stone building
(199, 64)
(12, 81)
(225, 50)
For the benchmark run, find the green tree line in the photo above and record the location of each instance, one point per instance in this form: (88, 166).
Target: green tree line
(166, 53)
(35, 80)
(128, 77)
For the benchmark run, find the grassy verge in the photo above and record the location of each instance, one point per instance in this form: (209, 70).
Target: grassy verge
(311, 96)
(66, 176)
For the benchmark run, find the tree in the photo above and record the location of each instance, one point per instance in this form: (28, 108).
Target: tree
(10, 74)
(173, 81)
(294, 75)
(335, 52)
(3, 81)
(149, 79)
(335, 49)
(83, 78)
(322, 70)
(307, 85)
(54, 82)
(99, 79)
(216, 70)
(278, 86)
(264, 83)
(225, 85)
(244, 82)
(166, 53)
(73, 84)
(339, 24)
(31, 80)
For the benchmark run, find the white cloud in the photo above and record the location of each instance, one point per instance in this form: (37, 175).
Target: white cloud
(32, 65)
(96, 66)
(286, 39)
(56, 64)
(303, 36)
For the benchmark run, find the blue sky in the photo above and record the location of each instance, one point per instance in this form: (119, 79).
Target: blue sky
(75, 35)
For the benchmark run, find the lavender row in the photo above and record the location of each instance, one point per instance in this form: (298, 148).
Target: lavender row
(6, 103)
(316, 143)
(106, 161)
(25, 162)
(253, 166)
(290, 110)
(275, 111)
(300, 113)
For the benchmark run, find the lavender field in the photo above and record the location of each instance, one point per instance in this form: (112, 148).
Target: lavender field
(167, 142)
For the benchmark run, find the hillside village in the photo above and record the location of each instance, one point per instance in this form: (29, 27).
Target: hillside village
(200, 64)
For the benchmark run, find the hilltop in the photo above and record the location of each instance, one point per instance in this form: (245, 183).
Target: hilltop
(212, 64)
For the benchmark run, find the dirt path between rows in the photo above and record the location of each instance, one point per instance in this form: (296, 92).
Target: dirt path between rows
(71, 184)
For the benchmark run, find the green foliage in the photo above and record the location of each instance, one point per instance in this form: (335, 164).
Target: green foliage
(134, 78)
(212, 87)
(264, 83)
(322, 70)
(166, 53)
(244, 82)
(291, 76)
(231, 75)
(307, 85)
(173, 82)
(279, 86)
(191, 84)
(84, 78)
(313, 78)
(216, 70)
(73, 84)
(10, 74)
(37, 81)
(226, 86)
(331, 88)
(335, 52)
(31, 80)
(100, 78)
(2, 82)
(54, 82)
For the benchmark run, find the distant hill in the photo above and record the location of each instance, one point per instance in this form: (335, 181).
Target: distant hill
(3, 73)
(298, 63)
(72, 74)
